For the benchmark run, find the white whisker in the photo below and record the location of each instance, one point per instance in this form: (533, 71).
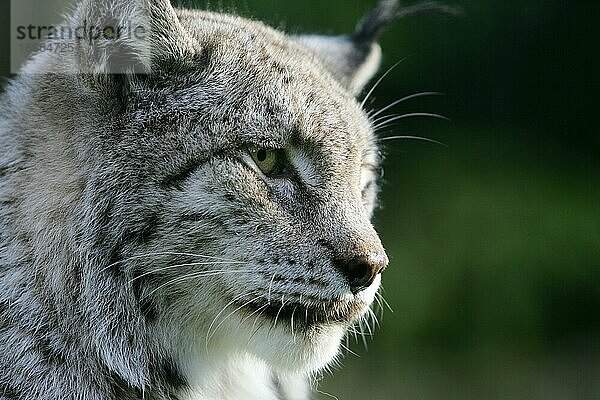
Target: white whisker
(278, 312)
(195, 275)
(271, 288)
(374, 319)
(208, 335)
(382, 297)
(368, 324)
(327, 394)
(255, 331)
(261, 308)
(158, 254)
(404, 137)
(384, 123)
(362, 334)
(379, 305)
(292, 324)
(346, 348)
(362, 105)
(229, 316)
(180, 266)
(402, 100)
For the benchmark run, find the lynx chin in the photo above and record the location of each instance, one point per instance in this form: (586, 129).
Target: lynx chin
(186, 215)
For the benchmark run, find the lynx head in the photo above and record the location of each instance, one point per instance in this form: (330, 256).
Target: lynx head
(203, 189)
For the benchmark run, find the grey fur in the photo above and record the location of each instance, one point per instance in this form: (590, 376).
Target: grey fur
(136, 232)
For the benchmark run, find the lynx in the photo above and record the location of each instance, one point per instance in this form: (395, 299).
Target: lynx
(185, 206)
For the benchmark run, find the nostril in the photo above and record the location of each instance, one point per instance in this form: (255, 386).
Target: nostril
(360, 275)
(362, 271)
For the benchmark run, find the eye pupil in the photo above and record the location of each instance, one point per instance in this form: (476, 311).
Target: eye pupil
(261, 155)
(271, 162)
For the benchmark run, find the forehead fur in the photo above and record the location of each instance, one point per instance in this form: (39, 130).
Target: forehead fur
(275, 86)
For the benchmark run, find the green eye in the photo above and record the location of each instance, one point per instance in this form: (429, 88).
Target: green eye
(269, 161)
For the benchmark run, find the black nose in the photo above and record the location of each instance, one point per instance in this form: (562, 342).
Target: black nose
(361, 271)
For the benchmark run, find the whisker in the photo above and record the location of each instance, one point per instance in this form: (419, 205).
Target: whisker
(346, 348)
(347, 340)
(362, 105)
(402, 100)
(379, 306)
(278, 312)
(141, 256)
(270, 288)
(180, 266)
(355, 333)
(292, 324)
(374, 319)
(378, 301)
(388, 138)
(383, 123)
(255, 331)
(327, 394)
(261, 308)
(325, 313)
(305, 313)
(208, 335)
(368, 324)
(382, 297)
(195, 275)
(229, 316)
(362, 334)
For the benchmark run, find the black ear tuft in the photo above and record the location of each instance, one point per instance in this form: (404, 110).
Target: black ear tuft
(354, 59)
(389, 11)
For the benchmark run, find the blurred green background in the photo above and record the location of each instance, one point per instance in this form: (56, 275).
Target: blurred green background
(495, 240)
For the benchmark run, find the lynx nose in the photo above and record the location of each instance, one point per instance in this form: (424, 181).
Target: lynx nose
(362, 270)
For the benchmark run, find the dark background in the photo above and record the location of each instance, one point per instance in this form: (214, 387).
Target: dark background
(495, 240)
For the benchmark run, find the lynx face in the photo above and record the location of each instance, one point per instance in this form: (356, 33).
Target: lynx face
(272, 187)
(177, 208)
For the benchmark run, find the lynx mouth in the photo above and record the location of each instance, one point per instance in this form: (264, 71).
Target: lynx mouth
(302, 316)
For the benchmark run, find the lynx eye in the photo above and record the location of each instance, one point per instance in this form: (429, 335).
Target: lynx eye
(272, 162)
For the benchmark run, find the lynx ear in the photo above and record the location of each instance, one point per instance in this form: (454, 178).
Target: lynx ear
(126, 36)
(354, 59)
(352, 64)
